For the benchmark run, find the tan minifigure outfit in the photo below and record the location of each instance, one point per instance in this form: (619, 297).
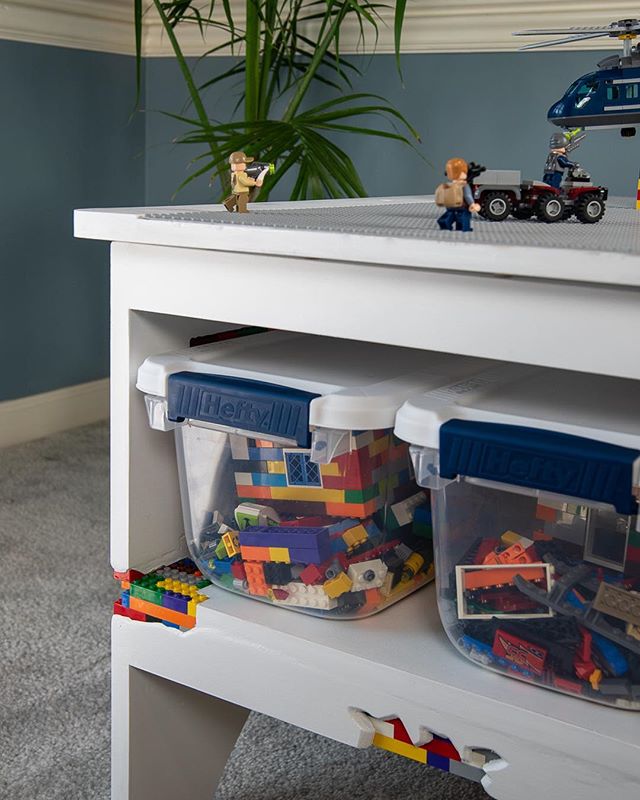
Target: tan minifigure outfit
(241, 183)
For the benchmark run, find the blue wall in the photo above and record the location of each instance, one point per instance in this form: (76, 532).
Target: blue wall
(66, 142)
(489, 107)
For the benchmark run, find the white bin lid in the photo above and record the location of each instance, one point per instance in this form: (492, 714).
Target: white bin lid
(590, 406)
(361, 385)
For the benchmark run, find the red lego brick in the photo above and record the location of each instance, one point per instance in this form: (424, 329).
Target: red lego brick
(400, 732)
(442, 747)
(280, 594)
(524, 654)
(311, 575)
(546, 513)
(129, 575)
(119, 609)
(238, 571)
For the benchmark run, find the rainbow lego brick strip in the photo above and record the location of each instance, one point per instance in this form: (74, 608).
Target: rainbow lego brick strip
(169, 594)
(435, 751)
(353, 484)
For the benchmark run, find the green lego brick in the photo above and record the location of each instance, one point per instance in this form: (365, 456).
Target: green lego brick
(221, 550)
(355, 496)
(634, 538)
(146, 588)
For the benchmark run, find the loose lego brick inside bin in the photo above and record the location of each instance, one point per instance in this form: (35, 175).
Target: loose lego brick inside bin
(255, 579)
(521, 652)
(303, 545)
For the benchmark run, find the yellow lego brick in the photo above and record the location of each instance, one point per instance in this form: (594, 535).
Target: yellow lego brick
(355, 536)
(510, 537)
(378, 446)
(172, 585)
(332, 469)
(307, 493)
(276, 467)
(336, 586)
(280, 554)
(195, 601)
(400, 748)
(231, 544)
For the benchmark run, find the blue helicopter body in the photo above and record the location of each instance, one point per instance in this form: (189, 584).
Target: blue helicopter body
(609, 97)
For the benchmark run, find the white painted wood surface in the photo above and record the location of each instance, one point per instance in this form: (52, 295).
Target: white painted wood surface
(398, 663)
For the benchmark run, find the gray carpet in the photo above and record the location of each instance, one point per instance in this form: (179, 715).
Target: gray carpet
(55, 601)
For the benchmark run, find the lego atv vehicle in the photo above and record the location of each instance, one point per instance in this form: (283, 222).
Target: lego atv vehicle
(501, 192)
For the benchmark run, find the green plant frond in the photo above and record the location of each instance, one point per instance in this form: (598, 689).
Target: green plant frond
(287, 46)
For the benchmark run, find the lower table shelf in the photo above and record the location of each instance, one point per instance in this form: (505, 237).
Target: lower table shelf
(315, 672)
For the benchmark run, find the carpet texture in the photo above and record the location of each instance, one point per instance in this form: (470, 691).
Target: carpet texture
(55, 602)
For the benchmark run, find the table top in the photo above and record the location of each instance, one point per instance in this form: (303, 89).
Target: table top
(392, 232)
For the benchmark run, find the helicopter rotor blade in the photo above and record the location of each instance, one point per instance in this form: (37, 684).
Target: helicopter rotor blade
(568, 40)
(602, 30)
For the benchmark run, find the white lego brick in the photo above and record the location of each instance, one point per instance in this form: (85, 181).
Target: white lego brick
(243, 479)
(404, 510)
(383, 727)
(306, 597)
(367, 574)
(239, 447)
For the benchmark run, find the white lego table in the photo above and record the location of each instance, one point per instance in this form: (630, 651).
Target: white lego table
(563, 295)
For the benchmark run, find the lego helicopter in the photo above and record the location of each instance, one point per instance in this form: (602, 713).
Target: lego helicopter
(607, 98)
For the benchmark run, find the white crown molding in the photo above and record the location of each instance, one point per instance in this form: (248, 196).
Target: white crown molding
(102, 25)
(431, 27)
(41, 415)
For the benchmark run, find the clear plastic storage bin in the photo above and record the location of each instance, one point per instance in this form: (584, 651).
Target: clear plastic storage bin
(535, 476)
(294, 489)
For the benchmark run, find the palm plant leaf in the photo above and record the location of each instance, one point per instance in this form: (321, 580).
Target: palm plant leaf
(287, 46)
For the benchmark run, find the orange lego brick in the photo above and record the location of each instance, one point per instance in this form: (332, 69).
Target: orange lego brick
(373, 598)
(253, 553)
(255, 579)
(255, 492)
(160, 612)
(546, 513)
(479, 578)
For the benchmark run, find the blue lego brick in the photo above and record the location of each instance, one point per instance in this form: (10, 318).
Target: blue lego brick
(267, 479)
(175, 601)
(281, 536)
(266, 454)
(221, 567)
(124, 598)
(422, 515)
(169, 624)
(437, 761)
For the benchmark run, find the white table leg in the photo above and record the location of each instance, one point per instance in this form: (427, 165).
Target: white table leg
(168, 740)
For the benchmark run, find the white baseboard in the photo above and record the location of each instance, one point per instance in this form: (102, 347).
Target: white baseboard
(40, 415)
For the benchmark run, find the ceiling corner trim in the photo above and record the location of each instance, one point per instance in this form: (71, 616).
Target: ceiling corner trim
(460, 26)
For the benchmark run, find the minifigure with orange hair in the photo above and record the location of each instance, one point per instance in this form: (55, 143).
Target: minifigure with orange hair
(456, 197)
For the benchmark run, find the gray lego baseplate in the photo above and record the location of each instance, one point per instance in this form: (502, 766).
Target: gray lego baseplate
(617, 232)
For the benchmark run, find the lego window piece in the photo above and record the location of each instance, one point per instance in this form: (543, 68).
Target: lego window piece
(489, 591)
(613, 92)
(631, 91)
(607, 538)
(301, 471)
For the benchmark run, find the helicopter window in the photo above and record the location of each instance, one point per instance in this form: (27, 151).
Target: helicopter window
(585, 91)
(613, 92)
(631, 91)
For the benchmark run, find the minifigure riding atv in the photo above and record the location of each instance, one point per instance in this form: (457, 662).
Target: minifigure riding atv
(503, 192)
